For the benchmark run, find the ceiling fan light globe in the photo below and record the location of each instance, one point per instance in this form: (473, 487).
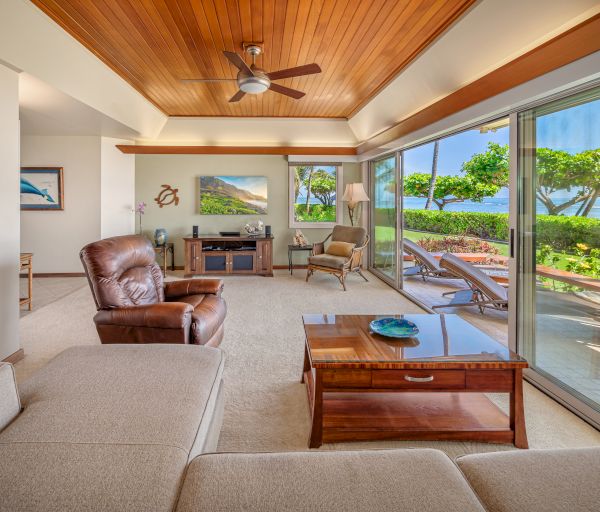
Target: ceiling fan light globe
(254, 84)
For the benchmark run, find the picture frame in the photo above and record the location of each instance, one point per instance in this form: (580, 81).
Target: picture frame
(42, 188)
(232, 195)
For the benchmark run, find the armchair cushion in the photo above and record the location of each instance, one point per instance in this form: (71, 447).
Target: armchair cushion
(328, 260)
(164, 315)
(340, 249)
(352, 234)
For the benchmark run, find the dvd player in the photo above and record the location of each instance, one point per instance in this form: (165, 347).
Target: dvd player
(229, 233)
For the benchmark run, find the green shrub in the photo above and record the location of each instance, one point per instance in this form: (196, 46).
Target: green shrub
(489, 226)
(561, 233)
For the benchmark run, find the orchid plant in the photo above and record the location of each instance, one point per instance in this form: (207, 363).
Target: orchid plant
(140, 209)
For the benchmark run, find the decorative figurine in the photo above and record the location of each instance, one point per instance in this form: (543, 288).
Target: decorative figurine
(168, 195)
(300, 239)
(160, 237)
(255, 228)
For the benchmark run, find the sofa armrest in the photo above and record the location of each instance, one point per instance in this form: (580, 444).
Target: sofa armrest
(164, 315)
(174, 289)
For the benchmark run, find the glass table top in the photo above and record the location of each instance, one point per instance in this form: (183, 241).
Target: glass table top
(441, 338)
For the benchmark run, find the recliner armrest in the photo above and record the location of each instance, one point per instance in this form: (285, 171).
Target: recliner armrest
(174, 289)
(165, 315)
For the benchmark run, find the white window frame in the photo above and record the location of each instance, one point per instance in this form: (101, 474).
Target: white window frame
(339, 190)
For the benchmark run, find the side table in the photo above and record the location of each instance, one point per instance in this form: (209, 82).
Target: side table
(295, 248)
(26, 264)
(163, 250)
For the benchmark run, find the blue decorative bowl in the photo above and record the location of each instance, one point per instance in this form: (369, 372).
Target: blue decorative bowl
(394, 327)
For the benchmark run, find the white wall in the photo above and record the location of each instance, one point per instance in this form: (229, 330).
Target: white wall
(9, 212)
(55, 237)
(182, 172)
(117, 189)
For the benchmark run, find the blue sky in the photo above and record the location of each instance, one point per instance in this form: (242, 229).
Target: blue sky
(574, 130)
(254, 184)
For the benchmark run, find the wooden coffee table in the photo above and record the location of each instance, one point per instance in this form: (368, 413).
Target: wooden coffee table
(362, 386)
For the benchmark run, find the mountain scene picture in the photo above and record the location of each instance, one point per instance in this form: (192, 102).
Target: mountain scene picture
(233, 195)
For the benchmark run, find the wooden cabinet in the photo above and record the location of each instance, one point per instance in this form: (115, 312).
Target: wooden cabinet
(228, 255)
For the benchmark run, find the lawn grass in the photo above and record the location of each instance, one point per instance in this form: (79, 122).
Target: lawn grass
(388, 233)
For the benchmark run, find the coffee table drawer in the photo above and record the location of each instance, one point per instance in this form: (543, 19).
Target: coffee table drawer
(419, 379)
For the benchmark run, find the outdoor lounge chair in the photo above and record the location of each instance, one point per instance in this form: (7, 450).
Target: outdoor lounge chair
(426, 265)
(483, 291)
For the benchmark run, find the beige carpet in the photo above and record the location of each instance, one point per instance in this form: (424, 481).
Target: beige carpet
(266, 406)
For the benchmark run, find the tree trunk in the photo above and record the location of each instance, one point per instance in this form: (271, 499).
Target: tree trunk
(590, 204)
(308, 187)
(434, 169)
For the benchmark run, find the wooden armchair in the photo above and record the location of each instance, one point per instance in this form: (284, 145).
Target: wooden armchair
(336, 264)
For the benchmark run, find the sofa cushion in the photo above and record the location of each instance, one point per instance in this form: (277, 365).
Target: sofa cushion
(327, 260)
(407, 480)
(10, 405)
(120, 394)
(68, 477)
(536, 480)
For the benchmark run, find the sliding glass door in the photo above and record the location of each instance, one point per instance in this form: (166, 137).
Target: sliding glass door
(383, 215)
(558, 259)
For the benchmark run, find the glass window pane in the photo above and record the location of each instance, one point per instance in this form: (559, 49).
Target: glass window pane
(456, 200)
(384, 216)
(314, 194)
(560, 175)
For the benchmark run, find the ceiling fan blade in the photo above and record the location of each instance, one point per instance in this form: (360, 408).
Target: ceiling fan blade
(238, 62)
(292, 93)
(307, 69)
(237, 96)
(202, 80)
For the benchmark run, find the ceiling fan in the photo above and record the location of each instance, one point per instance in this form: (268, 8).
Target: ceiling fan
(253, 80)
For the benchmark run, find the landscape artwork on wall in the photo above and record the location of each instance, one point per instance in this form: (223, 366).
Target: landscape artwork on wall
(233, 195)
(42, 188)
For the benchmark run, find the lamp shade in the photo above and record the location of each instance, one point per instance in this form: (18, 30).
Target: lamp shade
(354, 193)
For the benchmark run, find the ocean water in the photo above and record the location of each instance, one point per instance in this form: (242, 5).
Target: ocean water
(490, 205)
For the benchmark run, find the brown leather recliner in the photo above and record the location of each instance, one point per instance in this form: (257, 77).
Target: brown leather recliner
(135, 307)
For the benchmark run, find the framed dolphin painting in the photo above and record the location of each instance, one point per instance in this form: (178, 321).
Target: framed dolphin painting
(42, 188)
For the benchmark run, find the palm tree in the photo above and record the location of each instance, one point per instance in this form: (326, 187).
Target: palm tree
(434, 169)
(308, 189)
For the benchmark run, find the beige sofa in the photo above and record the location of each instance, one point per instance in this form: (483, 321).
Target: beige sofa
(127, 428)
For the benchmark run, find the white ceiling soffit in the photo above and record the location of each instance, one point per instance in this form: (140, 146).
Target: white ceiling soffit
(31, 42)
(44, 110)
(245, 131)
(491, 34)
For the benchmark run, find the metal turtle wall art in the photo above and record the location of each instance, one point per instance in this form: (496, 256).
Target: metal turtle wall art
(168, 195)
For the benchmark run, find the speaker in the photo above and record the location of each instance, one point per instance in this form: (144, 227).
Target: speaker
(195, 231)
(268, 231)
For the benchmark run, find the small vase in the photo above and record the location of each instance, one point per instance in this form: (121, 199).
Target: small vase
(160, 237)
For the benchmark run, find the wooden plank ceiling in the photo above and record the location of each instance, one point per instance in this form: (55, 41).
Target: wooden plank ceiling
(360, 45)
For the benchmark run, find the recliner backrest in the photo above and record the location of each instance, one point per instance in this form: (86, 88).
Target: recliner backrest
(122, 271)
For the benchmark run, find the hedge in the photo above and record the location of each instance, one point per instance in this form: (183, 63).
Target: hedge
(561, 233)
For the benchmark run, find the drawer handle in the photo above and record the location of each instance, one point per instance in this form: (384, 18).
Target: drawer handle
(429, 378)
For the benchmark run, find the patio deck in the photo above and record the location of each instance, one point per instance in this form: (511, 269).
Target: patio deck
(568, 330)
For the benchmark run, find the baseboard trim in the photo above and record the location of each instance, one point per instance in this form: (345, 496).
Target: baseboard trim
(286, 267)
(14, 358)
(54, 274)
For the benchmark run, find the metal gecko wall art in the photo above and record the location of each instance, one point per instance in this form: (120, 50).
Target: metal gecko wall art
(168, 195)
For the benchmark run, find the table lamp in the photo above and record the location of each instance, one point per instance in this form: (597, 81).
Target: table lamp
(354, 193)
